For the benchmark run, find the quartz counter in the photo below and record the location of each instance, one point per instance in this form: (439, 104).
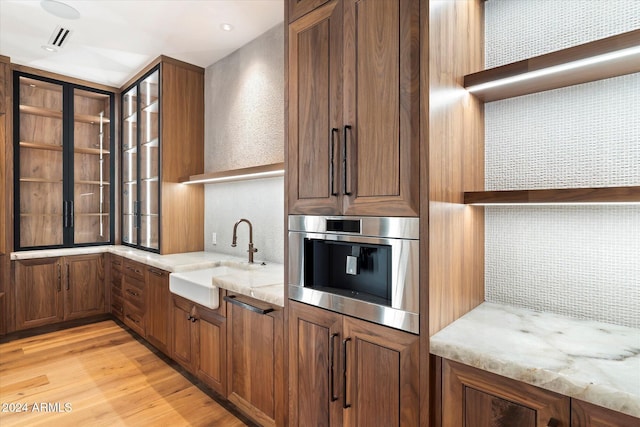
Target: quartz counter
(591, 361)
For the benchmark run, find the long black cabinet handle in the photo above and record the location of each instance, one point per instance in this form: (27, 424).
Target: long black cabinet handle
(332, 357)
(332, 171)
(344, 372)
(65, 213)
(59, 277)
(232, 299)
(344, 160)
(71, 213)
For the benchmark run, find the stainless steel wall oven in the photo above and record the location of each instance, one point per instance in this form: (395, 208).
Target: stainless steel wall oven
(366, 267)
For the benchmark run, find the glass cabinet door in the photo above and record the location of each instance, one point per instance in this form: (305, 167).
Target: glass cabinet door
(130, 167)
(40, 208)
(141, 163)
(149, 161)
(91, 167)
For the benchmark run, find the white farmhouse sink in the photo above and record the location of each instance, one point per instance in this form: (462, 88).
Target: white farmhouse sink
(197, 286)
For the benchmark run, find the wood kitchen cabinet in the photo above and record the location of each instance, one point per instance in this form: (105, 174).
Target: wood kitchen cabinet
(163, 142)
(50, 290)
(134, 292)
(158, 305)
(354, 109)
(585, 414)
(63, 139)
(475, 398)
(199, 341)
(255, 359)
(116, 279)
(336, 375)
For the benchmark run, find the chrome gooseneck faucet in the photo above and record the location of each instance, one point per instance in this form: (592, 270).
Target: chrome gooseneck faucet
(251, 250)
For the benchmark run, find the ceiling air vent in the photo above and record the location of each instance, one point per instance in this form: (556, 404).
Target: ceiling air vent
(59, 36)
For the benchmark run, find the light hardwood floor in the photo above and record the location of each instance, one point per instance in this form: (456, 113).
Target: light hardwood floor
(98, 375)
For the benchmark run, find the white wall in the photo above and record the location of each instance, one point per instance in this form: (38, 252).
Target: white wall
(244, 126)
(583, 260)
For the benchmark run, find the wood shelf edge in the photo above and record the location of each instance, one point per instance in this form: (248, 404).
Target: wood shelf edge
(629, 194)
(239, 174)
(603, 70)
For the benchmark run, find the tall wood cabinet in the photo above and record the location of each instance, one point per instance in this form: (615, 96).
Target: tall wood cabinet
(358, 373)
(162, 142)
(63, 139)
(50, 290)
(353, 139)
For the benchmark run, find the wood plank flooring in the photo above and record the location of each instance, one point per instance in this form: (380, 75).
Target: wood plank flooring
(98, 375)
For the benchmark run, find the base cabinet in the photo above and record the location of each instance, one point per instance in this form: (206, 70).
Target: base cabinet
(199, 341)
(585, 414)
(158, 319)
(116, 278)
(475, 398)
(50, 290)
(134, 292)
(255, 359)
(336, 376)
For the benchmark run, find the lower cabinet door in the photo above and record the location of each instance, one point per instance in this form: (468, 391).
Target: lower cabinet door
(315, 373)
(210, 349)
(39, 294)
(381, 370)
(158, 305)
(183, 350)
(84, 286)
(475, 398)
(255, 351)
(585, 414)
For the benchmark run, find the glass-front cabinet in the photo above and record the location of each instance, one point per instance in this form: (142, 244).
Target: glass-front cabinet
(141, 163)
(63, 137)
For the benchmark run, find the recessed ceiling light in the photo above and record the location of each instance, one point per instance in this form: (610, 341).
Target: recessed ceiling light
(59, 9)
(226, 27)
(49, 48)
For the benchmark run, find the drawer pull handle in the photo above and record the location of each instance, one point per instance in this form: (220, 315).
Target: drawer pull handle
(232, 299)
(133, 320)
(155, 272)
(191, 318)
(130, 292)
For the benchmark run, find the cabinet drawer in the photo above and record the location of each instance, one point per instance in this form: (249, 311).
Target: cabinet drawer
(133, 269)
(117, 306)
(134, 318)
(134, 295)
(116, 264)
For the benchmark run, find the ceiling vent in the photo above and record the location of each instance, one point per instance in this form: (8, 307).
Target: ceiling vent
(59, 37)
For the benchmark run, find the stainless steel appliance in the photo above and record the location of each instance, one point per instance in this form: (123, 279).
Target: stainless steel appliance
(366, 267)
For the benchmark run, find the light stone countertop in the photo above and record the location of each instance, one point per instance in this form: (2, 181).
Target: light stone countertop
(592, 361)
(250, 283)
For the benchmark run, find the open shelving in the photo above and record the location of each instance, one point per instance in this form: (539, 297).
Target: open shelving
(601, 59)
(629, 194)
(40, 111)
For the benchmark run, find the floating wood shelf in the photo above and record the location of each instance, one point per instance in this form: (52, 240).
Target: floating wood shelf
(557, 68)
(40, 146)
(254, 172)
(80, 150)
(92, 183)
(39, 111)
(565, 195)
(42, 180)
(91, 119)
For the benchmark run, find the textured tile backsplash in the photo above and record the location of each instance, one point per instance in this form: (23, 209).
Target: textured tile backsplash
(584, 260)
